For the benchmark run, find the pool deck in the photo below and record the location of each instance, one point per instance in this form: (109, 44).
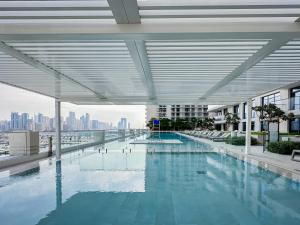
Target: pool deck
(280, 164)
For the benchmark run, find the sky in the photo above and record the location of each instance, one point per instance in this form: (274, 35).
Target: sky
(18, 100)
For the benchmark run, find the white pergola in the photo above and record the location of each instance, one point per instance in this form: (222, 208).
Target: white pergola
(150, 51)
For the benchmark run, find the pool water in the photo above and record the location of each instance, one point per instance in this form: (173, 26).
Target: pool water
(139, 188)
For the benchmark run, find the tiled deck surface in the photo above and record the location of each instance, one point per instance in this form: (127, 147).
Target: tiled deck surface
(281, 164)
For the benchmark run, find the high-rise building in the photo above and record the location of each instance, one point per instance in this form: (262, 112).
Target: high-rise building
(287, 99)
(122, 123)
(24, 121)
(95, 124)
(176, 111)
(38, 121)
(71, 121)
(87, 121)
(14, 121)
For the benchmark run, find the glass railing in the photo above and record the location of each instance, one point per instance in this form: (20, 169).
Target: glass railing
(4, 144)
(71, 138)
(68, 139)
(219, 118)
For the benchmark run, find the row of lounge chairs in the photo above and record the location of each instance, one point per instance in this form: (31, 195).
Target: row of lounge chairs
(212, 135)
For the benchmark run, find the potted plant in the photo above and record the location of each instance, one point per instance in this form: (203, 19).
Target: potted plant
(271, 114)
(232, 119)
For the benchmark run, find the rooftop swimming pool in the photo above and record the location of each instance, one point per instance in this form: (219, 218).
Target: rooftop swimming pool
(147, 184)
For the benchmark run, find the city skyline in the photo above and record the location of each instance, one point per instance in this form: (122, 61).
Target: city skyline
(40, 122)
(18, 100)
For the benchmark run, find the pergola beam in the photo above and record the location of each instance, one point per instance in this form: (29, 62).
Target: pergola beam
(242, 15)
(61, 8)
(125, 11)
(43, 67)
(192, 7)
(161, 31)
(250, 62)
(139, 56)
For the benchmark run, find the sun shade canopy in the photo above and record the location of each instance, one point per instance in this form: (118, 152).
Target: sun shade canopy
(150, 51)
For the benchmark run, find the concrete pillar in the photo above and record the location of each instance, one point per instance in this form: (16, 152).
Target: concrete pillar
(57, 129)
(50, 146)
(241, 116)
(58, 185)
(248, 126)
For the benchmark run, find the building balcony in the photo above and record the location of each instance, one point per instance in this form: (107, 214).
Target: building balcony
(220, 119)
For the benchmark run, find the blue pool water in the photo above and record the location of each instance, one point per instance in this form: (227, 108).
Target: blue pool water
(139, 188)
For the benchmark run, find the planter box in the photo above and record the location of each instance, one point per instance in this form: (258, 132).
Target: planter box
(23, 143)
(291, 138)
(259, 138)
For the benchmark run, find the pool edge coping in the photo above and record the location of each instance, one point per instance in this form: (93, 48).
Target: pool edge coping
(252, 159)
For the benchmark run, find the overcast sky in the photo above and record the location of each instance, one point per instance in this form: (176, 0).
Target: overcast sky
(18, 100)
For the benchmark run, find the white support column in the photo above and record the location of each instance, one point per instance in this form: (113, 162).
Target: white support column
(57, 129)
(248, 126)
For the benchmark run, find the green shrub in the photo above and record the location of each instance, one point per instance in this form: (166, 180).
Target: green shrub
(240, 141)
(283, 147)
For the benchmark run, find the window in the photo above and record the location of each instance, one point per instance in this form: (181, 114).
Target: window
(245, 108)
(253, 112)
(244, 126)
(294, 125)
(225, 111)
(263, 126)
(236, 126)
(271, 99)
(218, 127)
(252, 126)
(295, 98)
(236, 109)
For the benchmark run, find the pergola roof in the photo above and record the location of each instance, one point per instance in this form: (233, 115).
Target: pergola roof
(150, 51)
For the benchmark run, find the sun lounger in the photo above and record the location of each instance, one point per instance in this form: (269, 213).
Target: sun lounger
(221, 138)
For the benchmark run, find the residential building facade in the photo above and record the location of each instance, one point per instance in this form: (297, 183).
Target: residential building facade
(288, 99)
(174, 112)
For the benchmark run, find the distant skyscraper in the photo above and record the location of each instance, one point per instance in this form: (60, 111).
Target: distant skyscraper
(71, 121)
(82, 122)
(122, 123)
(95, 124)
(87, 121)
(24, 121)
(51, 124)
(40, 118)
(40, 122)
(14, 121)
